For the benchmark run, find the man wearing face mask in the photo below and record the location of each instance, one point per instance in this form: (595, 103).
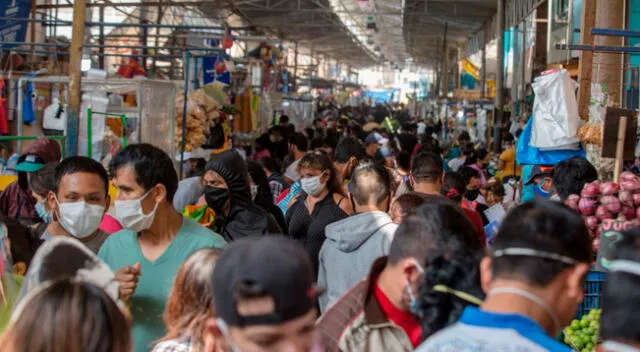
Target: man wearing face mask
(349, 152)
(379, 313)
(534, 281)
(147, 254)
(542, 182)
(79, 201)
(228, 193)
(354, 243)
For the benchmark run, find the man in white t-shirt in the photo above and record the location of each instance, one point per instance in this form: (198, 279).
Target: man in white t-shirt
(298, 147)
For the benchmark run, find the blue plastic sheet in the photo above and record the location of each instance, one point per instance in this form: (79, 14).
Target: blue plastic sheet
(528, 155)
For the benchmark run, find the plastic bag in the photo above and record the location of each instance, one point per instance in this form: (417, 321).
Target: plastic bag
(528, 155)
(55, 116)
(555, 112)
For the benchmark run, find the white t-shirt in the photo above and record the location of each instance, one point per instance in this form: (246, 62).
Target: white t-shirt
(292, 171)
(456, 164)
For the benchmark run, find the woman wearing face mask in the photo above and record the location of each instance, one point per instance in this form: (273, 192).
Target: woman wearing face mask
(227, 192)
(321, 203)
(261, 193)
(479, 161)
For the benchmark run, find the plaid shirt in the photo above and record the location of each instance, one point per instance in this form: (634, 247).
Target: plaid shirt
(276, 189)
(176, 345)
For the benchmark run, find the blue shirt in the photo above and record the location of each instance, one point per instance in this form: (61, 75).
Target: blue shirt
(148, 301)
(480, 331)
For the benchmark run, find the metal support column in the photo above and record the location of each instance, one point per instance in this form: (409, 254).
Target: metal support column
(499, 101)
(444, 82)
(101, 40)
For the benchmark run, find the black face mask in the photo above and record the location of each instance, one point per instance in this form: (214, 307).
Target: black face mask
(472, 195)
(216, 198)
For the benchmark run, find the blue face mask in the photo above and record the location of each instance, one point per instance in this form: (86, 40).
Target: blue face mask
(540, 192)
(43, 213)
(414, 303)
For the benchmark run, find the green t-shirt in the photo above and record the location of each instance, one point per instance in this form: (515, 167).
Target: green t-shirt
(148, 302)
(11, 290)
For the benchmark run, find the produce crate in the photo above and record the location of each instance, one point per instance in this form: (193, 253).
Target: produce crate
(592, 290)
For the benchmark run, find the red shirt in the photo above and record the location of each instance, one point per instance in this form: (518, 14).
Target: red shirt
(403, 319)
(476, 221)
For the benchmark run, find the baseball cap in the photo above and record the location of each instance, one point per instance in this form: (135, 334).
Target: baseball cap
(29, 163)
(267, 266)
(539, 171)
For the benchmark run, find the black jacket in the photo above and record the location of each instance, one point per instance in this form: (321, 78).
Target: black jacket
(245, 218)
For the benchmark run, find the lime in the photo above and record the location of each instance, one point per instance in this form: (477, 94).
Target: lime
(575, 325)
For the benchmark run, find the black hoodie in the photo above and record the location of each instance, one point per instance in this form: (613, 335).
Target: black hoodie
(245, 218)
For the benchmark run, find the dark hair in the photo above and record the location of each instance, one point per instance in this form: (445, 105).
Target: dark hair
(310, 133)
(408, 202)
(570, 176)
(476, 156)
(427, 229)
(349, 147)
(75, 164)
(404, 161)
(426, 167)
(467, 173)
(452, 260)
(370, 183)
(508, 138)
(262, 142)
(259, 177)
(468, 149)
(270, 164)
(152, 166)
(546, 226)
(300, 141)
(43, 181)
(317, 143)
(284, 119)
(454, 181)
(464, 137)
(320, 161)
(496, 188)
(621, 291)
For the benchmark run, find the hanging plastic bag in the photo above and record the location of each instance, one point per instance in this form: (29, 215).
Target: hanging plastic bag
(528, 155)
(555, 112)
(28, 113)
(55, 116)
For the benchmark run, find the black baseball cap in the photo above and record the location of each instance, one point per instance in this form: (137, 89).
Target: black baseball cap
(539, 171)
(266, 266)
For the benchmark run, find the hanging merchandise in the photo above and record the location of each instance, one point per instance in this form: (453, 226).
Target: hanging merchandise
(28, 112)
(202, 117)
(529, 155)
(4, 128)
(555, 112)
(55, 116)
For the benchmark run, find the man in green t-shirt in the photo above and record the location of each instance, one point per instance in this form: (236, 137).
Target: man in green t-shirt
(147, 254)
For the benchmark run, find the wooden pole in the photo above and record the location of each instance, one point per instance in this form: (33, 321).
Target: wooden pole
(75, 76)
(622, 130)
(585, 66)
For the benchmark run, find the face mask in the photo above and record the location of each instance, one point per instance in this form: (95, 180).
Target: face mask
(43, 213)
(473, 194)
(312, 185)
(539, 191)
(533, 298)
(254, 192)
(80, 219)
(216, 198)
(224, 328)
(614, 346)
(131, 216)
(414, 303)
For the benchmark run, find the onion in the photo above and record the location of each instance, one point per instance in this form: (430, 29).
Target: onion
(630, 185)
(573, 200)
(611, 203)
(626, 198)
(587, 206)
(629, 213)
(628, 176)
(591, 189)
(638, 213)
(602, 213)
(591, 222)
(636, 199)
(609, 188)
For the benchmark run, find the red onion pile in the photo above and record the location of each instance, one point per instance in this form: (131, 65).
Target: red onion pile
(599, 201)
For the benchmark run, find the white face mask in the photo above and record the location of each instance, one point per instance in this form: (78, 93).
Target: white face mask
(312, 185)
(131, 215)
(80, 219)
(254, 192)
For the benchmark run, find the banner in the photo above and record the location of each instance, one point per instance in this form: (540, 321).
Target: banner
(13, 30)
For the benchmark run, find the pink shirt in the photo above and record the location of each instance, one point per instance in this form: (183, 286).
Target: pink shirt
(110, 225)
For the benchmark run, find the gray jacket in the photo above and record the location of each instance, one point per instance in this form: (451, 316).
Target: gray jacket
(352, 245)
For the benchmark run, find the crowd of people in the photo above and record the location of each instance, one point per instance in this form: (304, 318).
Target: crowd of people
(343, 236)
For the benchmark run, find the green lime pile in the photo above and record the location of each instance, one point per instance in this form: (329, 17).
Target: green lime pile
(582, 335)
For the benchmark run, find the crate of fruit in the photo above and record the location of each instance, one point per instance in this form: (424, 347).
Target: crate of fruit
(592, 290)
